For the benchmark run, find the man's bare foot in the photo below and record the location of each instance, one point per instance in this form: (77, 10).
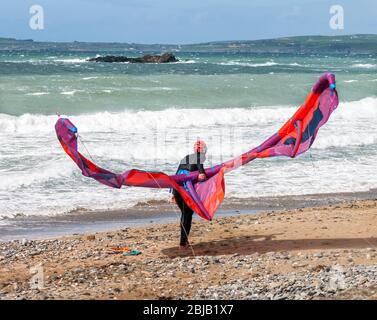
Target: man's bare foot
(183, 247)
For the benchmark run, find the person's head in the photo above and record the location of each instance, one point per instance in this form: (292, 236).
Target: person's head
(200, 146)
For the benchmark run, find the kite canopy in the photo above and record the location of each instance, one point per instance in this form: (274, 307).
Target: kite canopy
(295, 137)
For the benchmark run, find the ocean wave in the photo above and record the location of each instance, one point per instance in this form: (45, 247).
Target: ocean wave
(26, 123)
(32, 61)
(48, 171)
(352, 139)
(37, 93)
(248, 64)
(295, 64)
(89, 78)
(49, 60)
(364, 108)
(190, 61)
(151, 89)
(70, 93)
(134, 121)
(364, 65)
(262, 64)
(71, 60)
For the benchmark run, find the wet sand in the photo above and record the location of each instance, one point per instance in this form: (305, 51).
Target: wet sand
(158, 211)
(306, 253)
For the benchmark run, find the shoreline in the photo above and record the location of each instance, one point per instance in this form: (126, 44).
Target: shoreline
(324, 252)
(149, 212)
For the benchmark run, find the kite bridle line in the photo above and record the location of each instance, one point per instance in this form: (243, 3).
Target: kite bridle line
(86, 149)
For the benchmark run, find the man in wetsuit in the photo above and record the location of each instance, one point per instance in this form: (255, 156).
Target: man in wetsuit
(190, 163)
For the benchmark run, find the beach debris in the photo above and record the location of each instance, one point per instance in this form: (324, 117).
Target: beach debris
(125, 250)
(91, 237)
(132, 252)
(318, 255)
(119, 249)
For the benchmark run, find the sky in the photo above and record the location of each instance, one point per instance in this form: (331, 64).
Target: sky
(179, 21)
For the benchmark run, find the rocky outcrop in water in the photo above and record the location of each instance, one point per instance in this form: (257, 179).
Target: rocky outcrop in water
(164, 58)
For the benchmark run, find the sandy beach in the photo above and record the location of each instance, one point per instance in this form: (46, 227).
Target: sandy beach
(321, 252)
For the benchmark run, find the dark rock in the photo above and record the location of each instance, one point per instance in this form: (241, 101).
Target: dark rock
(164, 58)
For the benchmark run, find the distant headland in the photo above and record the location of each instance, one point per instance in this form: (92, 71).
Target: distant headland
(344, 44)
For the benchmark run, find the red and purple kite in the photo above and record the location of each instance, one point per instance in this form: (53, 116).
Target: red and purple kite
(295, 137)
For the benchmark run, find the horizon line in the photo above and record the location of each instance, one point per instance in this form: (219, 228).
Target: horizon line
(193, 43)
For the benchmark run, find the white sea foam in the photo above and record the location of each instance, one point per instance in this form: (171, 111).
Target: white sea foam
(350, 81)
(134, 121)
(28, 177)
(249, 64)
(48, 61)
(37, 93)
(190, 61)
(151, 89)
(72, 60)
(70, 93)
(261, 64)
(364, 65)
(295, 64)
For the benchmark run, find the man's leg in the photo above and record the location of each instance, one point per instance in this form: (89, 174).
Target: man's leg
(186, 220)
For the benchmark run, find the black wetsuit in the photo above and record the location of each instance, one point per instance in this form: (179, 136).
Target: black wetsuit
(192, 162)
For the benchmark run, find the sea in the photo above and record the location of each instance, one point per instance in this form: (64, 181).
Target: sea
(147, 116)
